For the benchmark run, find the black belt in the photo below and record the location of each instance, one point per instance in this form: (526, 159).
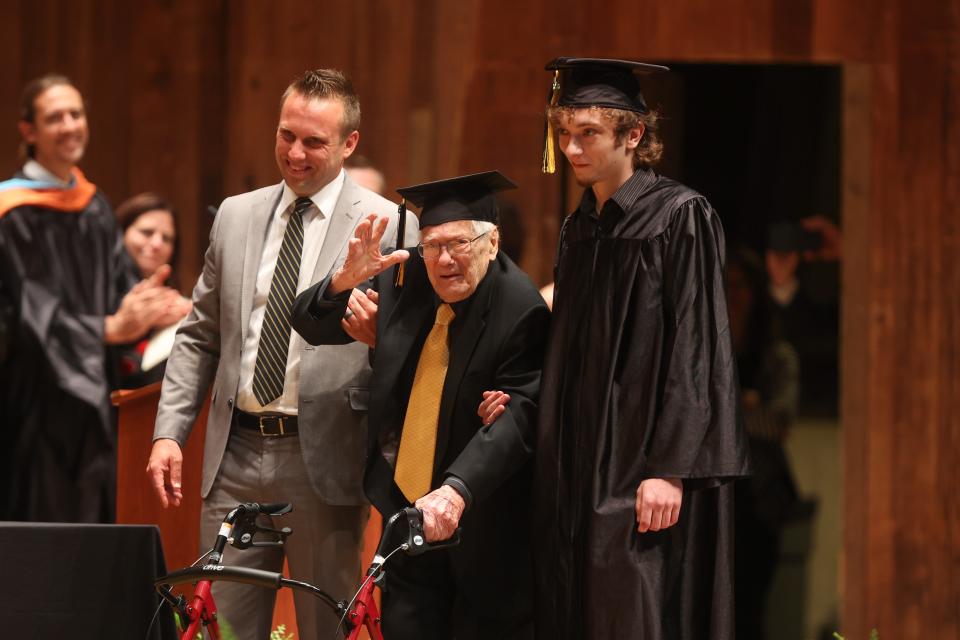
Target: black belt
(268, 426)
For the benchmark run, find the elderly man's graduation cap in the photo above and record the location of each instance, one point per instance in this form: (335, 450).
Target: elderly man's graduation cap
(470, 197)
(594, 82)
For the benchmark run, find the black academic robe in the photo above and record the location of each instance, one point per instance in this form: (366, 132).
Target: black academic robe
(496, 341)
(639, 383)
(61, 273)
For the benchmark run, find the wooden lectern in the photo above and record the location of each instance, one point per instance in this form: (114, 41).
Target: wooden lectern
(180, 527)
(136, 501)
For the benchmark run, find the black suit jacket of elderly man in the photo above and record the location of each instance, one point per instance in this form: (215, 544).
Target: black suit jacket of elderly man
(496, 341)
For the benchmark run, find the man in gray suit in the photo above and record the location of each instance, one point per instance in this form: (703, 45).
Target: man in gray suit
(269, 437)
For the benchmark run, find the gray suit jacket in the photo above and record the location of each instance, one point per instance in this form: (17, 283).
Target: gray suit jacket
(334, 379)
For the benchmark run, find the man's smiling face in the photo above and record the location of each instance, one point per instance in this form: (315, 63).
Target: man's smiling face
(311, 145)
(59, 130)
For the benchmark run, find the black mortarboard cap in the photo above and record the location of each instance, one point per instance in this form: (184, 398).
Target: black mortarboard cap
(593, 82)
(468, 197)
(600, 82)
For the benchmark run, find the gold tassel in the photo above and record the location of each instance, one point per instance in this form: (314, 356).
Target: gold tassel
(549, 154)
(549, 164)
(401, 225)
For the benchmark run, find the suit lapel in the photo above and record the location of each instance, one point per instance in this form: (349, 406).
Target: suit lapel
(405, 322)
(256, 235)
(340, 228)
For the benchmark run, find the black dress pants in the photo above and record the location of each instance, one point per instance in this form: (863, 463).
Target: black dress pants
(423, 600)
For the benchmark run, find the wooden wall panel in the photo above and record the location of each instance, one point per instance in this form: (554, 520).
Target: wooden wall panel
(12, 46)
(383, 68)
(184, 98)
(145, 72)
(948, 363)
(905, 584)
(857, 314)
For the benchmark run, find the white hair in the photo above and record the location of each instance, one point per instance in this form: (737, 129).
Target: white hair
(481, 227)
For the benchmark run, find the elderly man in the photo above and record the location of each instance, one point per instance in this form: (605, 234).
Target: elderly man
(465, 319)
(63, 297)
(287, 421)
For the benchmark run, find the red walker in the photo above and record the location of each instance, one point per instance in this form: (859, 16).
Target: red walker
(239, 528)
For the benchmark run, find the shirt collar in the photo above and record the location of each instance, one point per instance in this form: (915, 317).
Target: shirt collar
(635, 186)
(36, 171)
(325, 199)
(624, 197)
(459, 308)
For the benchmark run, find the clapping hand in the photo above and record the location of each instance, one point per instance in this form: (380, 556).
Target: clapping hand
(148, 305)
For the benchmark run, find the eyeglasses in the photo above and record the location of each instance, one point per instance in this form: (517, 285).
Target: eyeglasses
(431, 250)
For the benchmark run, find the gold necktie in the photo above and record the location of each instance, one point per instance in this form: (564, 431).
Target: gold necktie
(418, 442)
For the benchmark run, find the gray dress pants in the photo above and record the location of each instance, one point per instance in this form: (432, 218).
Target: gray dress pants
(324, 548)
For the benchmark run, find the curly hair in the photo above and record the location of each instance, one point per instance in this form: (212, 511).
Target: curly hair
(319, 84)
(648, 152)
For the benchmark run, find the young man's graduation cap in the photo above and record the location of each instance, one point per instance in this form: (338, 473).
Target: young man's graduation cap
(594, 82)
(470, 197)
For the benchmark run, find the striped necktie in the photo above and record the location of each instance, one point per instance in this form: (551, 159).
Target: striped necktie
(274, 344)
(418, 441)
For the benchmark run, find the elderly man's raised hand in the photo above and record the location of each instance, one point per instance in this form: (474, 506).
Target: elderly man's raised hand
(364, 258)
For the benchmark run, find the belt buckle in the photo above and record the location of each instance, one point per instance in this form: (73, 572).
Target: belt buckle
(266, 434)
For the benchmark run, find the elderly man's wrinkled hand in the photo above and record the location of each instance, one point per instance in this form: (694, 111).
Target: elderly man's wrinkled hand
(364, 258)
(442, 509)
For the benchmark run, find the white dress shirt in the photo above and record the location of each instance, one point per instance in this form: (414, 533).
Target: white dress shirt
(36, 171)
(315, 223)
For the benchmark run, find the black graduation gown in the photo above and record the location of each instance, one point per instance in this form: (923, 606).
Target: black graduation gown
(639, 382)
(61, 273)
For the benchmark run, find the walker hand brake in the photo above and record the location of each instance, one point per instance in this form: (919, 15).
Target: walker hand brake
(416, 540)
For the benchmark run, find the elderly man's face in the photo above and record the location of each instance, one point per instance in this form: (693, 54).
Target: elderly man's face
(310, 145)
(455, 276)
(59, 131)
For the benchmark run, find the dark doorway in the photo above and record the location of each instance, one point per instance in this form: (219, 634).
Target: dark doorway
(763, 144)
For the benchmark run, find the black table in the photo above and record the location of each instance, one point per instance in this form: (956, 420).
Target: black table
(81, 581)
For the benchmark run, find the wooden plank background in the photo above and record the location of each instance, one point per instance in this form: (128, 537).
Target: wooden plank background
(183, 99)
